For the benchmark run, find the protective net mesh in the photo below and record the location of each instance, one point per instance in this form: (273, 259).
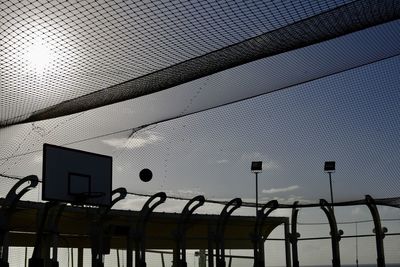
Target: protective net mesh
(149, 83)
(342, 99)
(351, 117)
(98, 53)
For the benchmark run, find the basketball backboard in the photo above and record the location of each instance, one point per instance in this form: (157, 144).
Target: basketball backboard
(76, 176)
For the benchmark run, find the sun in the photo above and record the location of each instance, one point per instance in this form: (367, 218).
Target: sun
(39, 55)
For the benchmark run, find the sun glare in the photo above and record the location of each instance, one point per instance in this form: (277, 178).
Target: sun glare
(39, 55)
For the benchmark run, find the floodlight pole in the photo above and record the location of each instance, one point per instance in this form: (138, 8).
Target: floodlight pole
(256, 167)
(256, 193)
(330, 185)
(329, 167)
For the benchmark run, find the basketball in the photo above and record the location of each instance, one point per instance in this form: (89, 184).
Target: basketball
(145, 175)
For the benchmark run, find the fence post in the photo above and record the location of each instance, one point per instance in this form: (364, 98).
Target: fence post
(258, 238)
(378, 230)
(229, 208)
(179, 258)
(335, 234)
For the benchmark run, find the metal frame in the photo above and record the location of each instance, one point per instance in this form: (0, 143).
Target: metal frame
(7, 210)
(100, 230)
(258, 238)
(335, 234)
(378, 230)
(226, 212)
(294, 235)
(137, 235)
(47, 236)
(179, 257)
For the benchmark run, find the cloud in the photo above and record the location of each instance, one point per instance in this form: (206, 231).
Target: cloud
(141, 140)
(280, 190)
(269, 165)
(131, 203)
(289, 200)
(281, 213)
(188, 192)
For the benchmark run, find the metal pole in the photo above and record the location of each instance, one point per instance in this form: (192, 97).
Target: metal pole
(162, 260)
(210, 248)
(256, 193)
(335, 234)
(287, 243)
(72, 257)
(26, 256)
(295, 235)
(330, 183)
(356, 245)
(202, 258)
(80, 257)
(379, 231)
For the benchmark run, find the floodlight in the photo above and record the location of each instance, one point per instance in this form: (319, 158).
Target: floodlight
(256, 166)
(329, 166)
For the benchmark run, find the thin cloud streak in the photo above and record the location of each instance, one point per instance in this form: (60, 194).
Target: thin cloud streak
(141, 140)
(289, 200)
(280, 190)
(269, 165)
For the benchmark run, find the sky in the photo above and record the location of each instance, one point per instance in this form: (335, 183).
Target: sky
(295, 119)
